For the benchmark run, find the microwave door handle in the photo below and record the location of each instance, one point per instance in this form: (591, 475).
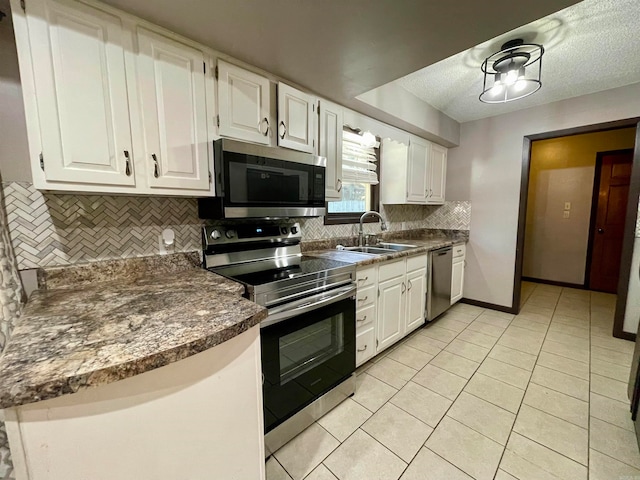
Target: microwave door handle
(285, 312)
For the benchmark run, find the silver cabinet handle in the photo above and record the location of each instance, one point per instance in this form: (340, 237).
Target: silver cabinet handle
(410, 285)
(361, 319)
(156, 168)
(284, 129)
(366, 297)
(264, 120)
(363, 279)
(404, 287)
(339, 185)
(127, 168)
(362, 349)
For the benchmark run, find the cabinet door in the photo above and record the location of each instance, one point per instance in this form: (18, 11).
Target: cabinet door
(416, 299)
(391, 312)
(79, 72)
(437, 174)
(172, 91)
(243, 104)
(417, 189)
(296, 122)
(330, 146)
(457, 280)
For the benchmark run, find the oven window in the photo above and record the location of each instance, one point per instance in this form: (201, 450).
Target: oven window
(304, 349)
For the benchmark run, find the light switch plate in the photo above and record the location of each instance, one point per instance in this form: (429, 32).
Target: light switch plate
(566, 214)
(567, 206)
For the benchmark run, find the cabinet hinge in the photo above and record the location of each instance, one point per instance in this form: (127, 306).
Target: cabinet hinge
(23, 5)
(216, 72)
(313, 142)
(313, 107)
(218, 120)
(376, 343)
(378, 292)
(209, 176)
(41, 161)
(204, 67)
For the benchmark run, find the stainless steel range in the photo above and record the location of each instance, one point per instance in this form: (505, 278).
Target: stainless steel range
(308, 338)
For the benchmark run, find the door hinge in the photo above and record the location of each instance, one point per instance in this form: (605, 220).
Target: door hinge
(204, 67)
(41, 161)
(23, 5)
(209, 176)
(216, 72)
(218, 120)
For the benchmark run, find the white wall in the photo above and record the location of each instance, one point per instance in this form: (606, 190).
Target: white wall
(486, 170)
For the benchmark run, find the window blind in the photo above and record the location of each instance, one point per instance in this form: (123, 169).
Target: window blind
(359, 158)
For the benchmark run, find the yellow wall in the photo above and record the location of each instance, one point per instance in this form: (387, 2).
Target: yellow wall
(562, 170)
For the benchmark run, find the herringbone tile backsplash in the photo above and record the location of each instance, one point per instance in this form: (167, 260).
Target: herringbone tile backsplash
(63, 229)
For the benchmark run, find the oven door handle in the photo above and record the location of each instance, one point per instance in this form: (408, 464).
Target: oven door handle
(290, 310)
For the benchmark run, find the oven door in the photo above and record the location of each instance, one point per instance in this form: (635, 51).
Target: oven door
(308, 347)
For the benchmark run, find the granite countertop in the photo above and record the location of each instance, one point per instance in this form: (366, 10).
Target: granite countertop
(93, 326)
(362, 259)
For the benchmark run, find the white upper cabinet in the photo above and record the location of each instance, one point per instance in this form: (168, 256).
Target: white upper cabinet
(438, 174)
(330, 146)
(78, 64)
(417, 169)
(296, 119)
(243, 104)
(171, 82)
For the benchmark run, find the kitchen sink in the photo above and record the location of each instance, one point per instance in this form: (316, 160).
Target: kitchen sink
(382, 248)
(398, 247)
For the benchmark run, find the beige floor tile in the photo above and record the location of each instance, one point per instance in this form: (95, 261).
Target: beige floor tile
(477, 338)
(275, 470)
(528, 460)
(345, 419)
(558, 404)
(439, 333)
(566, 339)
(321, 473)
(581, 331)
(611, 356)
(610, 370)
(574, 353)
(554, 433)
(450, 323)
(603, 467)
(513, 357)
(494, 320)
(563, 364)
(362, 457)
(425, 344)
(459, 316)
(483, 417)
(391, 372)
(502, 475)
(517, 342)
(561, 382)
(468, 309)
(440, 381)
(504, 372)
(371, 393)
(609, 387)
(411, 357)
(543, 301)
(601, 331)
(471, 452)
(611, 411)
(498, 314)
(616, 344)
(455, 364)
(364, 367)
(616, 442)
(547, 312)
(486, 328)
(524, 333)
(534, 317)
(400, 432)
(571, 321)
(305, 452)
(572, 311)
(429, 466)
(494, 391)
(467, 350)
(529, 325)
(422, 403)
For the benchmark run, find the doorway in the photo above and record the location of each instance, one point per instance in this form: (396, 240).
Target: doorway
(629, 222)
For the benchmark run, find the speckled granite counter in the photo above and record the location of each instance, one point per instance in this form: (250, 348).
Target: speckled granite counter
(95, 324)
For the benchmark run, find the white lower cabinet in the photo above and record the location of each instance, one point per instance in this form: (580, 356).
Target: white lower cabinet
(457, 272)
(390, 303)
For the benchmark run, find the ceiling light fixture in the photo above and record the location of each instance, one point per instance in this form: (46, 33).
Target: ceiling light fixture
(511, 73)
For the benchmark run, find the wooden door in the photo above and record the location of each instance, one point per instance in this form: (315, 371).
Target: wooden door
(78, 58)
(438, 174)
(330, 147)
(417, 171)
(613, 193)
(243, 103)
(296, 122)
(171, 82)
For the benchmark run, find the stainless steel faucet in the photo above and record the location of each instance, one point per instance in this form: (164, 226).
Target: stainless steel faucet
(383, 225)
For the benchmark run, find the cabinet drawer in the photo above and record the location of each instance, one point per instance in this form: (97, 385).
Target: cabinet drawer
(366, 277)
(365, 346)
(391, 269)
(365, 317)
(366, 296)
(416, 263)
(459, 250)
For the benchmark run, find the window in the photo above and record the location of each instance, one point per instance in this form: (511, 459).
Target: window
(360, 155)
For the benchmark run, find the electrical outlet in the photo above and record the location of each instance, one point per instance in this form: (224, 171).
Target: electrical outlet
(567, 205)
(566, 214)
(166, 241)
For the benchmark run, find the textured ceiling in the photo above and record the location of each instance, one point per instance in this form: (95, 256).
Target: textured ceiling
(589, 47)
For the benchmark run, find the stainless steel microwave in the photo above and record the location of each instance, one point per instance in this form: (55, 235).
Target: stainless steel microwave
(255, 181)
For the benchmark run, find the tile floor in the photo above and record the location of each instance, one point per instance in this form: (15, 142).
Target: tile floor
(480, 394)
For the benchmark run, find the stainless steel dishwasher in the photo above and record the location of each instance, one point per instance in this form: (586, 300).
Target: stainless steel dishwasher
(439, 282)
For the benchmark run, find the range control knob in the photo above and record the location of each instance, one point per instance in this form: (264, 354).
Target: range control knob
(294, 230)
(215, 235)
(284, 230)
(230, 233)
